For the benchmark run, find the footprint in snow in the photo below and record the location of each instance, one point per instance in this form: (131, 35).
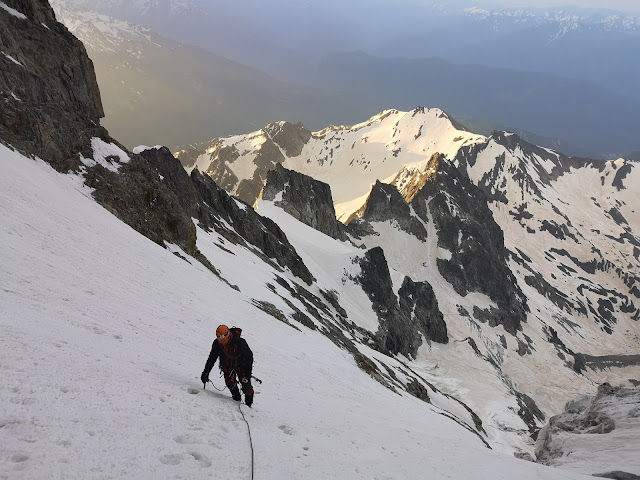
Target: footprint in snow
(171, 459)
(19, 457)
(286, 429)
(186, 440)
(203, 460)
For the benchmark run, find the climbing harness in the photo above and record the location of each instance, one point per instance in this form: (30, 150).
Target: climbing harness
(243, 418)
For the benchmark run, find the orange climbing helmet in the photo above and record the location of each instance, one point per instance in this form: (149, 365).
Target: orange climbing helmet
(223, 334)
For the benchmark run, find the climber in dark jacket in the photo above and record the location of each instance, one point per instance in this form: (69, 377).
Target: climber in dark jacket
(236, 362)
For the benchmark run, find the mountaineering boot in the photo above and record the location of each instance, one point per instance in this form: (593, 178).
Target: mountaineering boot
(247, 389)
(233, 388)
(236, 395)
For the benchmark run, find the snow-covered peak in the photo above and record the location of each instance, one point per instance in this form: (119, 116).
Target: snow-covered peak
(565, 19)
(137, 8)
(97, 31)
(349, 158)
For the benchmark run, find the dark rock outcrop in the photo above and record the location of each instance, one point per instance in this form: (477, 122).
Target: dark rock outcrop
(466, 228)
(289, 137)
(305, 199)
(618, 475)
(403, 319)
(385, 203)
(418, 298)
(136, 196)
(199, 197)
(50, 100)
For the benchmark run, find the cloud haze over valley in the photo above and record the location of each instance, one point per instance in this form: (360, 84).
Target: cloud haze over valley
(566, 79)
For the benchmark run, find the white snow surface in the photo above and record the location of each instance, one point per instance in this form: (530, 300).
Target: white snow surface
(141, 148)
(105, 333)
(12, 59)
(13, 11)
(109, 155)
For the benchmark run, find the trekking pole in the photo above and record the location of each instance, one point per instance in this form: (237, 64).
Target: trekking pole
(256, 379)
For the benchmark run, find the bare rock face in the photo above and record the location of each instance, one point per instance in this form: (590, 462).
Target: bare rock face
(291, 138)
(466, 228)
(305, 199)
(50, 100)
(385, 203)
(402, 319)
(419, 300)
(198, 196)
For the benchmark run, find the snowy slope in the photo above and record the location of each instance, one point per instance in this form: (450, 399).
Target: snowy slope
(105, 334)
(79, 285)
(577, 315)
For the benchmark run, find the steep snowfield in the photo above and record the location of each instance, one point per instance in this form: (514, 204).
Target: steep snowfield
(105, 334)
(357, 156)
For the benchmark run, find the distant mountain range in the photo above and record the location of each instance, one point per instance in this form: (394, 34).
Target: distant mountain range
(283, 37)
(156, 90)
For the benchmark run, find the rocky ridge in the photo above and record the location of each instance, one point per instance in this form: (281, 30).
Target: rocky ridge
(304, 198)
(523, 183)
(51, 105)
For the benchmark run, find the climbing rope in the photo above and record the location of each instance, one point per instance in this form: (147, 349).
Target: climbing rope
(214, 386)
(245, 421)
(250, 440)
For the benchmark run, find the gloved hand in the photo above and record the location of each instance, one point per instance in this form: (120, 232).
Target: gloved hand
(204, 377)
(245, 380)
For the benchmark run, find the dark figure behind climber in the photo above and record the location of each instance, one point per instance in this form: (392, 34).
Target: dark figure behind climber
(236, 362)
